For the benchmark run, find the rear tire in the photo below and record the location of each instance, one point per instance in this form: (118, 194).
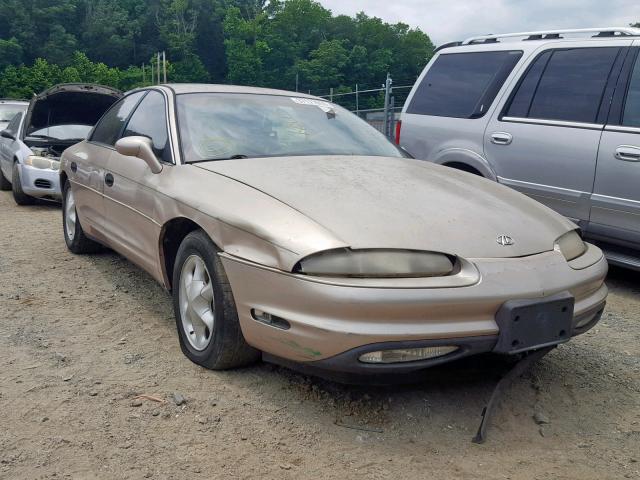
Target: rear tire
(5, 185)
(74, 236)
(19, 196)
(205, 310)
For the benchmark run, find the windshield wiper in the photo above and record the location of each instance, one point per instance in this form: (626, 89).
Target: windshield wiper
(233, 157)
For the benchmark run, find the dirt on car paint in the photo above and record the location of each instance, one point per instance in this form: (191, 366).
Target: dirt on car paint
(93, 385)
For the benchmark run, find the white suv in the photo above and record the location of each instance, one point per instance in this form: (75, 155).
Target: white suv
(555, 115)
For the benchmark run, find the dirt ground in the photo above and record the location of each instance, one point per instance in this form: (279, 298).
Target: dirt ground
(82, 336)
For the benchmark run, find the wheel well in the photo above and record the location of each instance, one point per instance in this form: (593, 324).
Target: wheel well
(173, 233)
(464, 167)
(63, 179)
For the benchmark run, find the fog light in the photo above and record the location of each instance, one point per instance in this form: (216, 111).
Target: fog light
(407, 354)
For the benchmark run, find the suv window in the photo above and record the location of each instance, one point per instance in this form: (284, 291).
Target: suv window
(631, 115)
(108, 129)
(463, 85)
(149, 120)
(565, 85)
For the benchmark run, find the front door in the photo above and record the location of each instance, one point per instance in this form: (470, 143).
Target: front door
(615, 211)
(90, 161)
(130, 187)
(545, 141)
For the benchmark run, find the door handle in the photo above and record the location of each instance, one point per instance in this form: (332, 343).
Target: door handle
(501, 138)
(74, 167)
(108, 180)
(628, 153)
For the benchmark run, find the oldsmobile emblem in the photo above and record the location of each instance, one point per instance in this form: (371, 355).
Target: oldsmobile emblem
(505, 240)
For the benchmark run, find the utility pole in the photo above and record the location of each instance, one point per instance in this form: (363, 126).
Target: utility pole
(164, 65)
(357, 101)
(144, 79)
(158, 69)
(387, 101)
(297, 80)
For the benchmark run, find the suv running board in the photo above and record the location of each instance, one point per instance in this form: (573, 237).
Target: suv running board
(622, 258)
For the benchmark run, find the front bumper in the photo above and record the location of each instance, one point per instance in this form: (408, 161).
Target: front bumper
(40, 183)
(331, 325)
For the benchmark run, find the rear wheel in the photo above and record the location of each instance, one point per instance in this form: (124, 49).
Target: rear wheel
(74, 236)
(4, 183)
(206, 315)
(19, 196)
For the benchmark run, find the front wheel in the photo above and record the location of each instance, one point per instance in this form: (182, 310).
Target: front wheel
(74, 236)
(5, 184)
(19, 196)
(206, 315)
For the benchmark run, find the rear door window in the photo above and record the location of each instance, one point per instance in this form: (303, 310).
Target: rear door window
(566, 85)
(463, 85)
(631, 114)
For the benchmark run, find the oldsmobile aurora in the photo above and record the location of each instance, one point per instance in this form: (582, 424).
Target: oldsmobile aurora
(285, 226)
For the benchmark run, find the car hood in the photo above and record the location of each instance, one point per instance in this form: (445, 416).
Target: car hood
(69, 104)
(378, 202)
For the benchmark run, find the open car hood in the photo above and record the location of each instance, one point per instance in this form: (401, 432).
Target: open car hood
(69, 104)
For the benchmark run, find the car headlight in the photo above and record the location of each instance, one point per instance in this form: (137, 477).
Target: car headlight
(571, 245)
(385, 263)
(43, 163)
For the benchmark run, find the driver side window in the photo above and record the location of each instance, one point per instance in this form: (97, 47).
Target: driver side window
(14, 124)
(149, 120)
(108, 129)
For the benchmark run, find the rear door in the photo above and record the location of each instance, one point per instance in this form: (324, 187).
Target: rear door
(446, 113)
(544, 142)
(90, 160)
(130, 186)
(8, 146)
(615, 211)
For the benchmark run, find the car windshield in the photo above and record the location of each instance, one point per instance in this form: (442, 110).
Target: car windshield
(62, 132)
(7, 112)
(220, 126)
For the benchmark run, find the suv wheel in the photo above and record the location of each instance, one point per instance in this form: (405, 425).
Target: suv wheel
(19, 196)
(205, 311)
(74, 236)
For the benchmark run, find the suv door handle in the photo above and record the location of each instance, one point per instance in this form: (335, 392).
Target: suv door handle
(501, 138)
(628, 153)
(108, 180)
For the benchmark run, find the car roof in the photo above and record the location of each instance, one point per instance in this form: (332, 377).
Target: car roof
(10, 101)
(528, 41)
(180, 88)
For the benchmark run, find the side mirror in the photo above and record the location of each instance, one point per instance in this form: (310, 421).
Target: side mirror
(7, 134)
(139, 147)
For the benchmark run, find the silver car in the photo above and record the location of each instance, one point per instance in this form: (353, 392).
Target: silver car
(38, 133)
(555, 115)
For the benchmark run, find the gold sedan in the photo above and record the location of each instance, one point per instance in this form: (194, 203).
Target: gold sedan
(287, 227)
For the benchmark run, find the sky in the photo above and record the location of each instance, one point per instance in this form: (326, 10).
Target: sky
(452, 20)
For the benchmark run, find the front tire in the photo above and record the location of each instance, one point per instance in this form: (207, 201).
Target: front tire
(5, 185)
(205, 311)
(19, 196)
(74, 236)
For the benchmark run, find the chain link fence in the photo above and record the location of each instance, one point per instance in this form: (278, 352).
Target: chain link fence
(380, 107)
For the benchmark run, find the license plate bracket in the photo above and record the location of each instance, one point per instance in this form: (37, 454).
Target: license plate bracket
(534, 323)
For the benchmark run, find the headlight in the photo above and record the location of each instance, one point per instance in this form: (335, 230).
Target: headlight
(43, 163)
(571, 245)
(376, 264)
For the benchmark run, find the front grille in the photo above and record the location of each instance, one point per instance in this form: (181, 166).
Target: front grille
(42, 183)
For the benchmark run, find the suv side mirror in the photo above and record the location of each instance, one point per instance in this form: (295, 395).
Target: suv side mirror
(140, 147)
(7, 134)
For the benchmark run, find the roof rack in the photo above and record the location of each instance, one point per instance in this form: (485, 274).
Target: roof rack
(556, 34)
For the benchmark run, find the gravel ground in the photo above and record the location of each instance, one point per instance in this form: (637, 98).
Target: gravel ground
(81, 337)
